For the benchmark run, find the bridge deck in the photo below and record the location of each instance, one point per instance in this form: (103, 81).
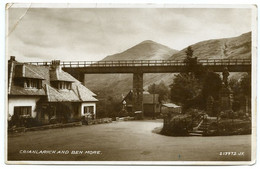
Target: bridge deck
(123, 63)
(150, 66)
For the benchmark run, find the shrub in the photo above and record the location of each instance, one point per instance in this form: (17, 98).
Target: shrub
(179, 125)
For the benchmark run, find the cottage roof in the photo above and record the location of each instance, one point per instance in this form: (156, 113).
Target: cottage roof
(17, 90)
(18, 70)
(78, 92)
(61, 95)
(28, 71)
(85, 94)
(171, 105)
(147, 98)
(146, 92)
(59, 75)
(129, 96)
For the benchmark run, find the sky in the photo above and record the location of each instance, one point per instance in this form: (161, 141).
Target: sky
(90, 34)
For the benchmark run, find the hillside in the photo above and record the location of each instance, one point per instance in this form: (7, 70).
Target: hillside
(227, 48)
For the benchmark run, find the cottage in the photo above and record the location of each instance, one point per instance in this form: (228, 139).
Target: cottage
(151, 105)
(46, 94)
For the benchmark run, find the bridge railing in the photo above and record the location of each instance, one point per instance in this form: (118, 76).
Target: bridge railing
(123, 63)
(145, 63)
(225, 62)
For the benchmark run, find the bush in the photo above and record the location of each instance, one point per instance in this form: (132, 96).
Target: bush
(228, 114)
(31, 122)
(241, 114)
(179, 125)
(223, 115)
(234, 127)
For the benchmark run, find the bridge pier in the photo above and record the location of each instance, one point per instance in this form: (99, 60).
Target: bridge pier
(138, 92)
(79, 76)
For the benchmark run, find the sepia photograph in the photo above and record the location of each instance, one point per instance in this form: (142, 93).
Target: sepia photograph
(130, 84)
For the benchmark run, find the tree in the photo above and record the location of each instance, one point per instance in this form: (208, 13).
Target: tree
(152, 88)
(189, 52)
(108, 106)
(192, 88)
(189, 60)
(192, 65)
(245, 85)
(184, 88)
(211, 86)
(160, 89)
(241, 93)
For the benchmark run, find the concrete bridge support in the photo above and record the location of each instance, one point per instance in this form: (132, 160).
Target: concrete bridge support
(138, 92)
(79, 76)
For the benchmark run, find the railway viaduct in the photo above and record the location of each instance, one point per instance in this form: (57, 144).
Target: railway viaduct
(138, 67)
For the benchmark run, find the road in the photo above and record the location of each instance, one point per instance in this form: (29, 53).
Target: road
(123, 141)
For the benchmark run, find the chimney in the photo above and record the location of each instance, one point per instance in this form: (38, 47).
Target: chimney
(55, 65)
(12, 58)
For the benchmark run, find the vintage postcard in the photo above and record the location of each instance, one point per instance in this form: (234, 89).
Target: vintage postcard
(130, 84)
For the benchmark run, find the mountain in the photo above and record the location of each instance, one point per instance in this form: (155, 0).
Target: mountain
(120, 84)
(226, 48)
(146, 50)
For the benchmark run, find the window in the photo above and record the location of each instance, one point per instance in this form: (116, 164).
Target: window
(23, 110)
(33, 83)
(61, 85)
(68, 85)
(64, 85)
(89, 109)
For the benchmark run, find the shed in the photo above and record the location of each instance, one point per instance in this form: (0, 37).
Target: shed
(170, 108)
